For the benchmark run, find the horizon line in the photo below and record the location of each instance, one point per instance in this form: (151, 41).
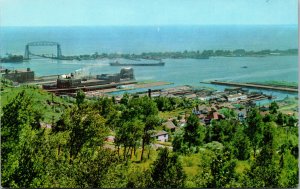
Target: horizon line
(150, 25)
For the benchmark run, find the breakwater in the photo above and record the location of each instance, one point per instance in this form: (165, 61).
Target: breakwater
(256, 86)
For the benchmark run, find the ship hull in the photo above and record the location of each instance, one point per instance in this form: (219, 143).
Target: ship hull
(138, 64)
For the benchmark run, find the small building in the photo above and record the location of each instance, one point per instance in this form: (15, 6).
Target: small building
(20, 76)
(109, 77)
(236, 97)
(127, 73)
(170, 125)
(68, 82)
(161, 136)
(110, 139)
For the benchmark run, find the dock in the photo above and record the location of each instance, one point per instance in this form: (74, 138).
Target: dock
(256, 86)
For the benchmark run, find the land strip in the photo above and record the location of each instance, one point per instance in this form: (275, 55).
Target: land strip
(256, 86)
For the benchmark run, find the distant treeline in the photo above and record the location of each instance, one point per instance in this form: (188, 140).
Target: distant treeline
(205, 54)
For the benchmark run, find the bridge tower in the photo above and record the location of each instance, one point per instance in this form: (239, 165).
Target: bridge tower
(58, 51)
(26, 56)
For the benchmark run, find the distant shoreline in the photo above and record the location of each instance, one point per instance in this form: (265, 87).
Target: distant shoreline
(205, 54)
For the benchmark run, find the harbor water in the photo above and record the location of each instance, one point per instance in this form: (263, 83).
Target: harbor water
(88, 40)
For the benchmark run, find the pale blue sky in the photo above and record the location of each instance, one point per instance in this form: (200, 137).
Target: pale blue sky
(146, 12)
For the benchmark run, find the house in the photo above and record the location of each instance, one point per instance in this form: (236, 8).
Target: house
(182, 122)
(170, 125)
(45, 125)
(204, 109)
(161, 136)
(236, 97)
(110, 139)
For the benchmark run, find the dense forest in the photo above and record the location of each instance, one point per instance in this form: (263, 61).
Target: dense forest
(261, 151)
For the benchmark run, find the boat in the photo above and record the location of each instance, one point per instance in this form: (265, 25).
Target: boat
(244, 67)
(137, 64)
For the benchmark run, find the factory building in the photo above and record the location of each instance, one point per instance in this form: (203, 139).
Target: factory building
(20, 76)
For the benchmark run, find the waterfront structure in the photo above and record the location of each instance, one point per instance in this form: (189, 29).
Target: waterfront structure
(42, 43)
(20, 76)
(127, 73)
(72, 83)
(236, 97)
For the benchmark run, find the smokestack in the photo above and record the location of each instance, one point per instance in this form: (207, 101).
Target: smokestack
(149, 93)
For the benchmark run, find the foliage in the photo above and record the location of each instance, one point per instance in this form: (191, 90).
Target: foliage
(166, 171)
(194, 133)
(261, 152)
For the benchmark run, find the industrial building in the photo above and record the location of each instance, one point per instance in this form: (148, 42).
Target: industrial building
(20, 76)
(126, 74)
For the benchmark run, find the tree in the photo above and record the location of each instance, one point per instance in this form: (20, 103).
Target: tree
(280, 119)
(241, 144)
(177, 142)
(222, 131)
(18, 127)
(129, 134)
(255, 128)
(292, 121)
(193, 132)
(166, 171)
(151, 122)
(273, 107)
(222, 169)
(265, 170)
(125, 99)
(80, 96)
(86, 127)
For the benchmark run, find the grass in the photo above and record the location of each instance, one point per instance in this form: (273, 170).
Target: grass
(164, 143)
(288, 105)
(279, 83)
(174, 113)
(146, 82)
(42, 101)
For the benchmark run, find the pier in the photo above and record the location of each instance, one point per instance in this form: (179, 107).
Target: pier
(251, 85)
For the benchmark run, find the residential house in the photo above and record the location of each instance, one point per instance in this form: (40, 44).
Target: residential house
(110, 139)
(161, 136)
(170, 125)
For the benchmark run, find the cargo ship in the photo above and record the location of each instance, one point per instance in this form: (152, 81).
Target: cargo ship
(137, 64)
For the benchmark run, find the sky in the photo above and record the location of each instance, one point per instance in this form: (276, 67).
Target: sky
(147, 12)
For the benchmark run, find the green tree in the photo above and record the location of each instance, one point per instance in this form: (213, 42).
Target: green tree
(150, 124)
(86, 127)
(80, 96)
(265, 170)
(241, 144)
(18, 128)
(129, 134)
(222, 170)
(166, 171)
(255, 128)
(193, 132)
(273, 108)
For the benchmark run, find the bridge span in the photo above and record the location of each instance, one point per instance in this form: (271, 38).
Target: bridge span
(43, 43)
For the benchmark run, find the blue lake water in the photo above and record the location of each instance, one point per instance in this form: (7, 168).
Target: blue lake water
(87, 40)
